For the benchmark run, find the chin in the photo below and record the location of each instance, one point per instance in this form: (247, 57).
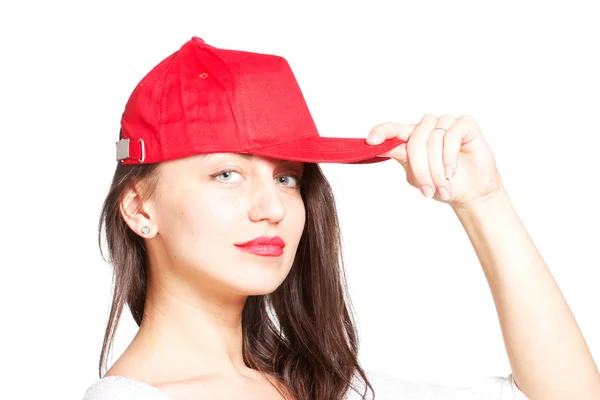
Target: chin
(259, 291)
(255, 283)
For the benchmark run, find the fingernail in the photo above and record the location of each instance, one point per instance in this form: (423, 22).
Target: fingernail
(444, 194)
(374, 138)
(427, 191)
(449, 171)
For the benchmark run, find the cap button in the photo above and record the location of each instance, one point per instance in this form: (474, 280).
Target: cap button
(197, 40)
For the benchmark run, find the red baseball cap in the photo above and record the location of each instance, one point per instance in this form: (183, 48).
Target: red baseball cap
(202, 99)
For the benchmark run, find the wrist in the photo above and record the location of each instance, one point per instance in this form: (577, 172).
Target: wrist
(488, 202)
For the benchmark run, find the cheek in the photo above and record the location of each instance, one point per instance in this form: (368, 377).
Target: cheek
(291, 229)
(199, 230)
(195, 223)
(296, 218)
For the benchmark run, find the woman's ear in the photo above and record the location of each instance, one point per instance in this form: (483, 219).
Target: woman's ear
(138, 214)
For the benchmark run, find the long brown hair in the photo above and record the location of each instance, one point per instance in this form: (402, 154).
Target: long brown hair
(303, 333)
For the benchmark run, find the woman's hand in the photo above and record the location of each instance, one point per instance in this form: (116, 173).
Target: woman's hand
(455, 166)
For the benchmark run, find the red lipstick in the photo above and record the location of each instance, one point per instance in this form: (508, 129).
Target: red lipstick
(264, 246)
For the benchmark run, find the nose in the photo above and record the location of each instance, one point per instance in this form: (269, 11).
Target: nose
(266, 204)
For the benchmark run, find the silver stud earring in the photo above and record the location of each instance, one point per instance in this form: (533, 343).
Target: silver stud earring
(145, 229)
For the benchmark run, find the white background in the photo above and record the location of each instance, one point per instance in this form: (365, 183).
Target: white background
(526, 71)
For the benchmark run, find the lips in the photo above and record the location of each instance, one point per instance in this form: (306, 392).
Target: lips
(264, 241)
(264, 246)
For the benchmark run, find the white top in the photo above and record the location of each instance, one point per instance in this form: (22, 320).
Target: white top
(385, 387)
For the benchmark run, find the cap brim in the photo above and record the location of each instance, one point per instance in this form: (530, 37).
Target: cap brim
(319, 149)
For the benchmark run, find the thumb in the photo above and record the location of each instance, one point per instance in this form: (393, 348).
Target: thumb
(398, 153)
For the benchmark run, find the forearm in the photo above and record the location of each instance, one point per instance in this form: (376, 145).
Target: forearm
(546, 350)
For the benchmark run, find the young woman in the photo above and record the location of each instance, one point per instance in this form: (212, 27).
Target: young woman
(226, 248)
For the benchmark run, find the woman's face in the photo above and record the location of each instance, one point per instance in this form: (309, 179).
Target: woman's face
(204, 205)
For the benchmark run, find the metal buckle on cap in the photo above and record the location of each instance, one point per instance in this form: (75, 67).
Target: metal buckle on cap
(141, 160)
(123, 150)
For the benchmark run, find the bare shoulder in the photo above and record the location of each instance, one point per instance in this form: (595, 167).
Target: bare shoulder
(138, 383)
(118, 387)
(250, 384)
(125, 380)
(221, 387)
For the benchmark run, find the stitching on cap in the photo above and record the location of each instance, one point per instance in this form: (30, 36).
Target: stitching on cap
(239, 86)
(161, 124)
(302, 136)
(251, 100)
(220, 58)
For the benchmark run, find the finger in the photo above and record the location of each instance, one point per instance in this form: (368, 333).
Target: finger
(418, 158)
(398, 153)
(452, 143)
(389, 130)
(435, 146)
(458, 133)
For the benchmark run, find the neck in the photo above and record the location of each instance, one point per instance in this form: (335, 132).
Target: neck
(189, 334)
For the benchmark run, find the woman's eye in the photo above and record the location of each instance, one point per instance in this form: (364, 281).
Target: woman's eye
(227, 175)
(285, 179)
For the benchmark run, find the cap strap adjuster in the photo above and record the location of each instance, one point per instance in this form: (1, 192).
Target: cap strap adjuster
(123, 150)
